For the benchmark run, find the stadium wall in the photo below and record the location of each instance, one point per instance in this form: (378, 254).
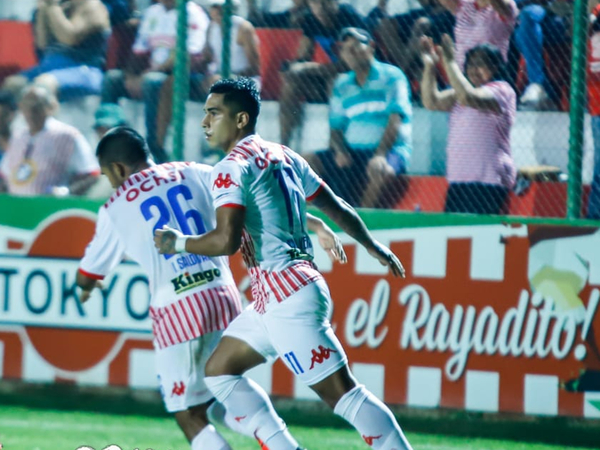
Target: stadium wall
(471, 327)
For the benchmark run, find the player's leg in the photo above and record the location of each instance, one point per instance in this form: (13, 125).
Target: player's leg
(243, 347)
(181, 373)
(307, 344)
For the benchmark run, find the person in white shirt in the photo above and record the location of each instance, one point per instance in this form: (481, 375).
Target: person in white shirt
(48, 157)
(244, 61)
(154, 61)
(193, 298)
(260, 191)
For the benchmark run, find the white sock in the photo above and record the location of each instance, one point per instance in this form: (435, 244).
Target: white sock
(218, 414)
(250, 407)
(372, 419)
(209, 439)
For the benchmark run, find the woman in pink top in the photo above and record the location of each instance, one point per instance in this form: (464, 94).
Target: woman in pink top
(479, 164)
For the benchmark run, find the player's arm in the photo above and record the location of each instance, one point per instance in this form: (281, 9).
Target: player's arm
(346, 217)
(327, 239)
(225, 239)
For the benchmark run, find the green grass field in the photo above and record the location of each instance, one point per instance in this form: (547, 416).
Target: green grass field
(43, 429)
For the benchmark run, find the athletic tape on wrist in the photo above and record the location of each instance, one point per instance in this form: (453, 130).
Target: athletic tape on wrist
(180, 244)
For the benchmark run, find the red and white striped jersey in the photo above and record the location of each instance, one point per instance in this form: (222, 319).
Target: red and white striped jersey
(190, 294)
(273, 184)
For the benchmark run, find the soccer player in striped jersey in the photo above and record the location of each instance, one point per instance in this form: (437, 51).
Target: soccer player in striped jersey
(193, 298)
(260, 191)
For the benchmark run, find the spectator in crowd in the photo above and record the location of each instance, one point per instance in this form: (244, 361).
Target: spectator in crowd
(305, 80)
(482, 22)
(543, 24)
(71, 36)
(371, 133)
(107, 116)
(244, 61)
(377, 14)
(398, 37)
(479, 164)
(593, 85)
(8, 109)
(154, 61)
(49, 157)
(290, 18)
(119, 11)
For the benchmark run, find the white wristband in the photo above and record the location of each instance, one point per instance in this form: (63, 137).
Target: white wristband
(180, 244)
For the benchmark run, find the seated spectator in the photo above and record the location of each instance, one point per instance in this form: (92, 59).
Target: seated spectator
(107, 116)
(479, 165)
(290, 18)
(48, 157)
(398, 37)
(593, 86)
(71, 37)
(305, 80)
(543, 25)
(124, 19)
(8, 109)
(244, 61)
(482, 22)
(377, 14)
(154, 62)
(371, 133)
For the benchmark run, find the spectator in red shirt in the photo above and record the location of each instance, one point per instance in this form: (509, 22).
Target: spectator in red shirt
(593, 85)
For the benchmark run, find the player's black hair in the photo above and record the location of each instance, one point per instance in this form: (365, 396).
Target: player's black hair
(492, 58)
(124, 145)
(240, 94)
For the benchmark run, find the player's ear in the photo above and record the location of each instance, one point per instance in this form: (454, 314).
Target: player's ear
(243, 118)
(121, 169)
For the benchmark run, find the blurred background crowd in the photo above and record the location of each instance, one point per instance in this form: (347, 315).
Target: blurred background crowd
(433, 105)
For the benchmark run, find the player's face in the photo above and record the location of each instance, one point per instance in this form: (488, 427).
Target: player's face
(221, 125)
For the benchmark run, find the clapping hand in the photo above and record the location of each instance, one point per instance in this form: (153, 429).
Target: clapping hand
(429, 52)
(447, 47)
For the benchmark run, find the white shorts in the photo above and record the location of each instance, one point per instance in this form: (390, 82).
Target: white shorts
(180, 371)
(296, 330)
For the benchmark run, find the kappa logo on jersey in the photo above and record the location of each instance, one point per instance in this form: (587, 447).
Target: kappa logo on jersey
(178, 389)
(185, 281)
(320, 356)
(224, 182)
(369, 439)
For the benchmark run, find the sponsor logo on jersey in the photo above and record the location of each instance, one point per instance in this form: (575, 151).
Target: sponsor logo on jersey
(224, 181)
(321, 355)
(187, 281)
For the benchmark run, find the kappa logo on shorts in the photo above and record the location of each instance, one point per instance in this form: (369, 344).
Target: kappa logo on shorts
(110, 447)
(224, 182)
(178, 389)
(369, 439)
(320, 356)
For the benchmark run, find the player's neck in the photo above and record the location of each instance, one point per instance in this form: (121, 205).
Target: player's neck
(243, 134)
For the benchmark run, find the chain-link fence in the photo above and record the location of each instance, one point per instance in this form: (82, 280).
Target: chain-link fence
(394, 117)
